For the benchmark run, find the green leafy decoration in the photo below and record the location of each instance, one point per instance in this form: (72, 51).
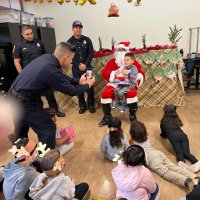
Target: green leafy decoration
(174, 34)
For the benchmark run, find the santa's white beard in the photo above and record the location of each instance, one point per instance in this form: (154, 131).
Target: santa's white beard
(119, 58)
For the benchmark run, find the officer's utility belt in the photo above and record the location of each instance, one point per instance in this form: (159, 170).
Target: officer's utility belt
(18, 95)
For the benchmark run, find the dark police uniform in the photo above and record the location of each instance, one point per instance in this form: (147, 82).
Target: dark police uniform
(83, 54)
(27, 51)
(40, 75)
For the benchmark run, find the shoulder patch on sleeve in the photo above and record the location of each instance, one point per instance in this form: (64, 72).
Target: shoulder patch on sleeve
(13, 48)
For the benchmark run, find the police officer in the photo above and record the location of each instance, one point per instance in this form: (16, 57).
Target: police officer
(27, 50)
(81, 63)
(40, 75)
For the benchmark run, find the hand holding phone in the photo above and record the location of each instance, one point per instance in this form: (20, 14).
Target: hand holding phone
(89, 74)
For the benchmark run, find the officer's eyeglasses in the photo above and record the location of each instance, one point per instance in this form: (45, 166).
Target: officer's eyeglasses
(27, 34)
(69, 46)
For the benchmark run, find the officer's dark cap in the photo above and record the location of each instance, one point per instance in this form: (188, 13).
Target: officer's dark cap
(77, 23)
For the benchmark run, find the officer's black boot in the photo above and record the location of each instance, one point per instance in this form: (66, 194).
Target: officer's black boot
(132, 111)
(107, 114)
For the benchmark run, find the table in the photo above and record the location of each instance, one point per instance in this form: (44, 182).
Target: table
(193, 64)
(163, 83)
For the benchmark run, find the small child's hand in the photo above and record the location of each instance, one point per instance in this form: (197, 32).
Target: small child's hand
(125, 72)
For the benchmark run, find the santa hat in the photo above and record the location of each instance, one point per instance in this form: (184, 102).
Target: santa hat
(124, 45)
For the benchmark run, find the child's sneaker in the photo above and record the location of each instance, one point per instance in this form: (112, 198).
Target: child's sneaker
(115, 106)
(123, 110)
(190, 183)
(87, 195)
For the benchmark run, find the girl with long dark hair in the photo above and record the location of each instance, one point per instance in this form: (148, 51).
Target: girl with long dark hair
(114, 141)
(170, 126)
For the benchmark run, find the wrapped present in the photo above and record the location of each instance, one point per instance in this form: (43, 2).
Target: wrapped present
(68, 131)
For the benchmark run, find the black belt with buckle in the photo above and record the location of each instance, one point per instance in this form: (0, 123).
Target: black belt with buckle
(18, 95)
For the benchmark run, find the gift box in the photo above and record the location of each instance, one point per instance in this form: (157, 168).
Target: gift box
(68, 131)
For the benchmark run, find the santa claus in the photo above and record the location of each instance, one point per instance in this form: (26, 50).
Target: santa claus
(108, 73)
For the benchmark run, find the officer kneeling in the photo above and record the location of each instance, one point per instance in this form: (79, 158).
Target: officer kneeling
(40, 75)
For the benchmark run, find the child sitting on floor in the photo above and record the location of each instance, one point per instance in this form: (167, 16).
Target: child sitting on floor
(114, 141)
(133, 180)
(19, 174)
(53, 184)
(63, 144)
(158, 161)
(171, 128)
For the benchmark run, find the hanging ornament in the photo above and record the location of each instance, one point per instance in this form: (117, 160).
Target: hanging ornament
(93, 2)
(60, 2)
(113, 11)
(137, 3)
(76, 2)
(67, 1)
(82, 2)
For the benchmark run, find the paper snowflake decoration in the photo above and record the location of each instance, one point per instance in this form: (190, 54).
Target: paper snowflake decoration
(42, 148)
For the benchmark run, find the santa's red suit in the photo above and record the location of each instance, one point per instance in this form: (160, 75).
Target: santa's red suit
(108, 96)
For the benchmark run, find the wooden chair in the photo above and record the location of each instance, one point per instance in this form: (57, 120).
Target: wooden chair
(188, 79)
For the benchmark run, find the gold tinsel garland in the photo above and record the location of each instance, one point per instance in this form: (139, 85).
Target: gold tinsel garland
(80, 2)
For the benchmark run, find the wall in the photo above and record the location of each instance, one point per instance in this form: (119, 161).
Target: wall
(153, 17)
